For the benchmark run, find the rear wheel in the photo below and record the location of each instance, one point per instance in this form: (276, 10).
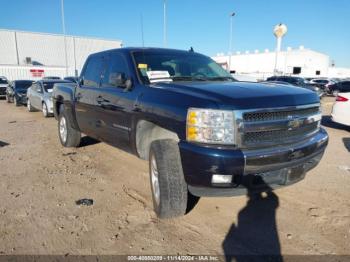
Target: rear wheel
(29, 106)
(169, 188)
(69, 137)
(45, 110)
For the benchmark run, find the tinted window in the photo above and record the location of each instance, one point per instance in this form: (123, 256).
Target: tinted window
(92, 72)
(3, 81)
(48, 86)
(115, 64)
(345, 87)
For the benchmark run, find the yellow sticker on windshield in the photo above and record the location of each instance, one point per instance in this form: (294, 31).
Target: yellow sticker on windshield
(142, 66)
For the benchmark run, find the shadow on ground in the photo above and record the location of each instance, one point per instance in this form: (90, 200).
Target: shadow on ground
(346, 141)
(88, 141)
(327, 121)
(2, 144)
(255, 237)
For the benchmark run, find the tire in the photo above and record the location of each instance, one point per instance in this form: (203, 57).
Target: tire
(69, 137)
(15, 101)
(45, 110)
(8, 99)
(29, 106)
(168, 185)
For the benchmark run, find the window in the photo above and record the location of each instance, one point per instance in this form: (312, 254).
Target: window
(92, 72)
(318, 72)
(296, 70)
(115, 63)
(345, 87)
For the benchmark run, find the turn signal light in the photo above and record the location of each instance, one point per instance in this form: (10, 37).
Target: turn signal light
(341, 99)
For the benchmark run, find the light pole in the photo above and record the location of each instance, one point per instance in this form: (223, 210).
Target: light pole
(230, 41)
(164, 24)
(64, 36)
(279, 31)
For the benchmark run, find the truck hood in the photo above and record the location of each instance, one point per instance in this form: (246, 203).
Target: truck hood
(244, 95)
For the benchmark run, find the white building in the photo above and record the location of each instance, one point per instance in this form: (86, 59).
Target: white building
(261, 64)
(28, 55)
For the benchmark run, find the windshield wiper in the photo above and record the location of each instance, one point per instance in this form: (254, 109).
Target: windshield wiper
(221, 78)
(188, 78)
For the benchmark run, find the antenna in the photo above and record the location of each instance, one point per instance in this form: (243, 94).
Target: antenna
(143, 42)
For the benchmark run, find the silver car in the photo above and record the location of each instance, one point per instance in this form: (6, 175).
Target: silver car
(39, 96)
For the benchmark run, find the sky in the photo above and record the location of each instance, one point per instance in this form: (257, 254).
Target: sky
(321, 25)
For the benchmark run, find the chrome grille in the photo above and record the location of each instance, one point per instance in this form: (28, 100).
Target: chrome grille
(278, 115)
(277, 136)
(274, 127)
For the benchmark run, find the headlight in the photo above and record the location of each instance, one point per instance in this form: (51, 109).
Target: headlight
(210, 126)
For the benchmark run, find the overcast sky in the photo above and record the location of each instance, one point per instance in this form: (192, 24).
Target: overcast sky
(321, 25)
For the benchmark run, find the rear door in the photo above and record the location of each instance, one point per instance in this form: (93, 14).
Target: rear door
(86, 96)
(35, 95)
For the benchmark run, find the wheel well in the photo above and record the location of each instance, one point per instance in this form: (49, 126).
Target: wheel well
(146, 133)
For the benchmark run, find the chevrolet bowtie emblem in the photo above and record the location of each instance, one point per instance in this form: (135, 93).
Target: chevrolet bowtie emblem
(295, 123)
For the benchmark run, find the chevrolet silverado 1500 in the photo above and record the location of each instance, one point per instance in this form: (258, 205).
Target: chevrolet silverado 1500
(204, 133)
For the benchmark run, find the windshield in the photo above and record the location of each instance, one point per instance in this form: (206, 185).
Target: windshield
(23, 85)
(178, 66)
(3, 81)
(48, 86)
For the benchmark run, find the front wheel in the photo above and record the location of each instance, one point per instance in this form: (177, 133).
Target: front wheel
(169, 188)
(15, 100)
(69, 137)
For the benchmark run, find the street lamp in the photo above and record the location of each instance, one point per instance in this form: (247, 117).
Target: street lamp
(230, 41)
(164, 24)
(64, 36)
(279, 31)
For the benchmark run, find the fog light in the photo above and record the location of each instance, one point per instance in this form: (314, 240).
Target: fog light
(219, 179)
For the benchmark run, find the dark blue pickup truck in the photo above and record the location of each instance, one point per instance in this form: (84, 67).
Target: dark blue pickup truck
(204, 133)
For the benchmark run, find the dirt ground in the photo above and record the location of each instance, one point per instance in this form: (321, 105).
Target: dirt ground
(40, 182)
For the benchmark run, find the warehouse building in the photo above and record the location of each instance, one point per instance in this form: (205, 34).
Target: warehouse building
(29, 55)
(296, 62)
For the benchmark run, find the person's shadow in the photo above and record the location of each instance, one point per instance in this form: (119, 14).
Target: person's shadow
(255, 237)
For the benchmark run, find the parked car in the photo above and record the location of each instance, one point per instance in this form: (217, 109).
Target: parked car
(298, 81)
(203, 133)
(339, 87)
(322, 83)
(341, 108)
(72, 79)
(39, 96)
(16, 92)
(3, 86)
(51, 78)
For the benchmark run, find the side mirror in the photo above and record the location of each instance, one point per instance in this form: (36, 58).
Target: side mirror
(81, 81)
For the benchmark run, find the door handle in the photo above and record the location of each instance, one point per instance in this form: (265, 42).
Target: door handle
(79, 96)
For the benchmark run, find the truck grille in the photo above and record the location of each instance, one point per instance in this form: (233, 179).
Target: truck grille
(270, 116)
(277, 126)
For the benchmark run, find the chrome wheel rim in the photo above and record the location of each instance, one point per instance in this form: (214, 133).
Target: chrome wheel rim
(44, 109)
(155, 179)
(63, 129)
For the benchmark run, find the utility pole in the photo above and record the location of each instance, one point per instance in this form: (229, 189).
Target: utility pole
(230, 41)
(64, 36)
(164, 25)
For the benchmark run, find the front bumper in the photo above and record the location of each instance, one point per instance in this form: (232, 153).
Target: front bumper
(275, 166)
(22, 99)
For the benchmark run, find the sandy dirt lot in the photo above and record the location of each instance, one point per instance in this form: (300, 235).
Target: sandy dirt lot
(40, 182)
